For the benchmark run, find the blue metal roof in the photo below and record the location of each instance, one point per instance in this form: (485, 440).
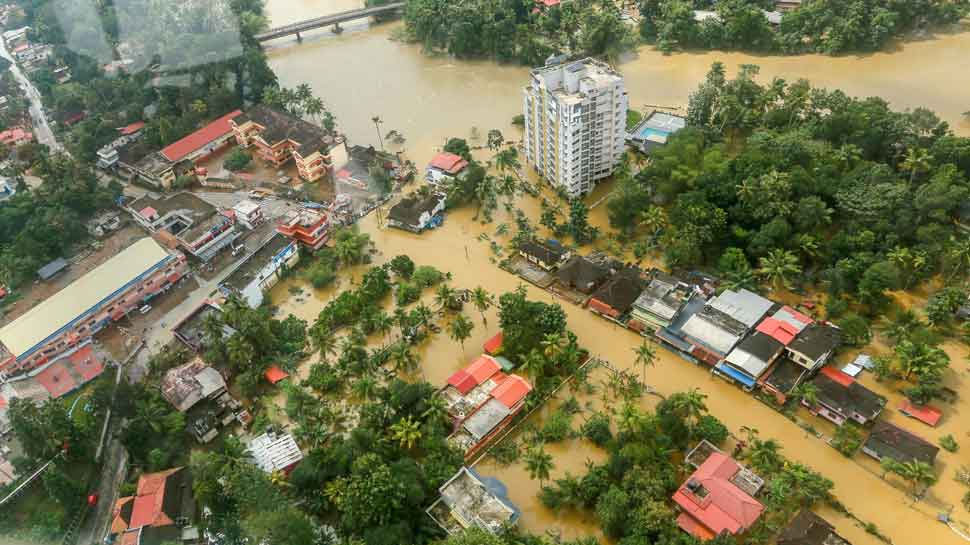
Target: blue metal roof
(734, 374)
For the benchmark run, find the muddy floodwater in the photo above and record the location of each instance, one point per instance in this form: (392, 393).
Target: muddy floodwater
(363, 73)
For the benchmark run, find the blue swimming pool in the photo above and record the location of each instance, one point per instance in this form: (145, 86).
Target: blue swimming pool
(646, 132)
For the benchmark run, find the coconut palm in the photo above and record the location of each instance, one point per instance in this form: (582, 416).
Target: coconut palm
(364, 388)
(917, 161)
(460, 329)
(483, 300)
(920, 358)
(383, 324)
(538, 463)
(959, 256)
(552, 345)
(691, 405)
(806, 392)
(646, 354)
(508, 159)
(534, 364)
(778, 266)
(406, 432)
(917, 472)
(764, 455)
(445, 297)
(653, 219)
(377, 124)
(436, 410)
(404, 359)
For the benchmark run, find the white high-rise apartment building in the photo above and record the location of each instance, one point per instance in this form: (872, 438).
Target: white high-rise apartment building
(575, 123)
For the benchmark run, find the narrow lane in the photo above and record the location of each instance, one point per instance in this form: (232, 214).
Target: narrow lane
(42, 129)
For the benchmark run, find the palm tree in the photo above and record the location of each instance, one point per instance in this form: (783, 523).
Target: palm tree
(691, 404)
(806, 392)
(918, 473)
(778, 266)
(920, 358)
(377, 124)
(436, 410)
(508, 159)
(407, 432)
(646, 355)
(959, 254)
(654, 219)
(538, 463)
(917, 160)
(534, 364)
(364, 388)
(764, 455)
(445, 297)
(404, 359)
(327, 344)
(552, 345)
(483, 300)
(314, 107)
(460, 329)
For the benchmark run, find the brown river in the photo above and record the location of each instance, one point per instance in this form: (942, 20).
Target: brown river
(362, 73)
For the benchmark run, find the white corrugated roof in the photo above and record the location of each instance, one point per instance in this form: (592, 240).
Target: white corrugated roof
(749, 363)
(744, 306)
(275, 452)
(63, 307)
(710, 334)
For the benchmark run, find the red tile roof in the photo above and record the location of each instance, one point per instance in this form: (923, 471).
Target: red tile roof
(118, 522)
(779, 330)
(274, 374)
(482, 368)
(462, 381)
(512, 390)
(691, 525)
(448, 162)
(3, 403)
(493, 345)
(148, 212)
(724, 507)
(131, 129)
(837, 376)
(131, 538)
(147, 509)
(217, 129)
(926, 414)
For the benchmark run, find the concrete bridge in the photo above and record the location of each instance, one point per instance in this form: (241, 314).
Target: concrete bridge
(327, 20)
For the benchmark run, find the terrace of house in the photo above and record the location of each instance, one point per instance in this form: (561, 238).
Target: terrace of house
(246, 272)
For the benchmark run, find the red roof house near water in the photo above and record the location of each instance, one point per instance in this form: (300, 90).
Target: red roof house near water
(219, 128)
(926, 414)
(274, 374)
(448, 162)
(511, 391)
(712, 504)
(493, 345)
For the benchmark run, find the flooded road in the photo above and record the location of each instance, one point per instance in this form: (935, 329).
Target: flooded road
(362, 73)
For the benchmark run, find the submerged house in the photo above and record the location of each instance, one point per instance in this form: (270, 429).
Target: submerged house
(546, 255)
(783, 377)
(718, 498)
(581, 274)
(616, 297)
(657, 306)
(749, 359)
(275, 452)
(840, 397)
(469, 500)
(889, 441)
(725, 320)
(814, 345)
(807, 528)
(482, 400)
(416, 213)
(445, 167)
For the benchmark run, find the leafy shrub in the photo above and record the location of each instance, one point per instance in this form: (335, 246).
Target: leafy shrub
(949, 443)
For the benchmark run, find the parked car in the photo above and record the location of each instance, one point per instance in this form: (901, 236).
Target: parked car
(145, 309)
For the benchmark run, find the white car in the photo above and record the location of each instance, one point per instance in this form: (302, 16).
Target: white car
(145, 309)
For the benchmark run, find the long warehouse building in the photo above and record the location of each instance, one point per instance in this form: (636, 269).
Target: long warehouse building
(77, 312)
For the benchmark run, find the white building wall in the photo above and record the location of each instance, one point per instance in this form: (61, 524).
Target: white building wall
(575, 123)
